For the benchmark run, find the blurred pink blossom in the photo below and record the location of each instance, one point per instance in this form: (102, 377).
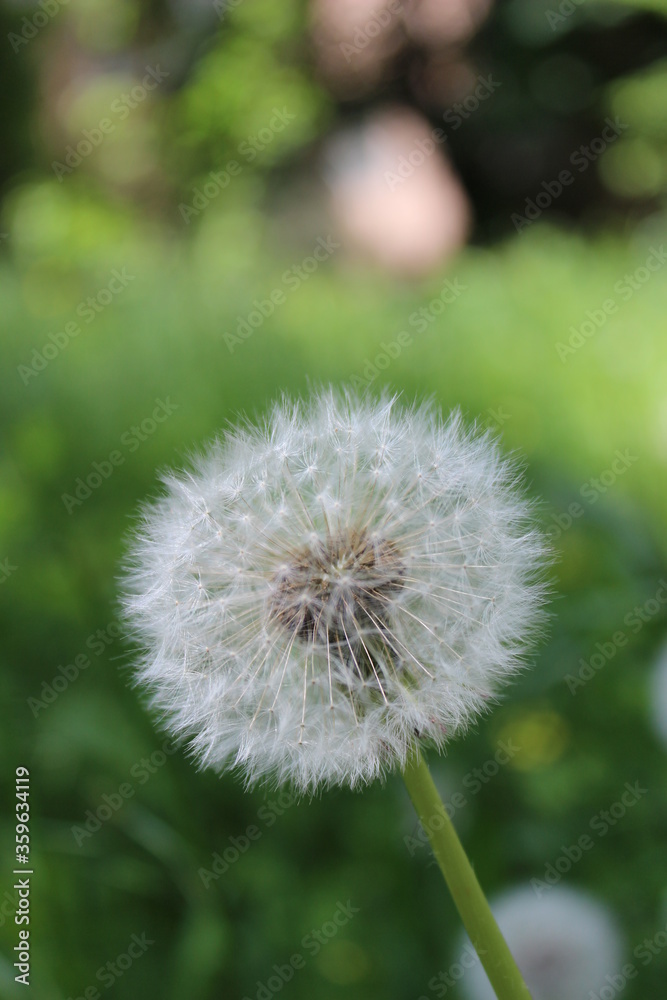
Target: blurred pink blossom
(395, 197)
(354, 40)
(434, 23)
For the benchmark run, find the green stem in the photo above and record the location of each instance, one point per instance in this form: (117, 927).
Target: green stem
(466, 891)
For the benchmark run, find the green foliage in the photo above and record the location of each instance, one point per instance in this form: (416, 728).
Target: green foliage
(253, 67)
(493, 351)
(527, 347)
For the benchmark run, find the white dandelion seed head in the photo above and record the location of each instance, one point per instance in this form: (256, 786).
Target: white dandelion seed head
(325, 590)
(565, 943)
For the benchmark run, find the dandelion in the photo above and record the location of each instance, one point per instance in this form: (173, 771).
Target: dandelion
(324, 594)
(325, 591)
(566, 944)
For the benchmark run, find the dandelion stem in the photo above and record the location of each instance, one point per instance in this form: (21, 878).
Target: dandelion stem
(466, 891)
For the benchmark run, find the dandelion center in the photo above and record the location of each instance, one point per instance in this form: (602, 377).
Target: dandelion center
(336, 590)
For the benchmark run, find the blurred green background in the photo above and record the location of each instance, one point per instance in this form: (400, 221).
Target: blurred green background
(127, 278)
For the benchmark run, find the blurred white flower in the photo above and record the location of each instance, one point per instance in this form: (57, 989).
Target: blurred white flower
(659, 695)
(564, 942)
(322, 591)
